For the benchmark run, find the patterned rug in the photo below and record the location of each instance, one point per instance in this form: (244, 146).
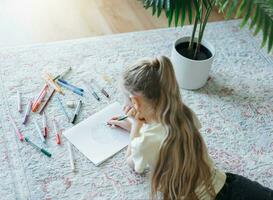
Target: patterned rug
(235, 108)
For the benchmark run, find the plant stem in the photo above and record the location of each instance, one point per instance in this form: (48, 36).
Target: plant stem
(193, 33)
(199, 35)
(202, 28)
(196, 20)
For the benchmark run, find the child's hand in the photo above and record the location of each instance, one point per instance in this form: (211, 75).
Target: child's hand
(124, 124)
(132, 113)
(129, 110)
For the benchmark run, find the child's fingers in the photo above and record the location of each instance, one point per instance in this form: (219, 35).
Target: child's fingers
(114, 118)
(110, 122)
(114, 122)
(126, 109)
(131, 112)
(117, 124)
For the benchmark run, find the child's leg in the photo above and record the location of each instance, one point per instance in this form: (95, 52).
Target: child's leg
(240, 188)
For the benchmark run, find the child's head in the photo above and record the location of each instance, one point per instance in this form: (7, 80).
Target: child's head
(150, 84)
(182, 165)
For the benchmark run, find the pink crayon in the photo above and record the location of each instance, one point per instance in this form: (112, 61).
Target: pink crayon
(18, 133)
(39, 98)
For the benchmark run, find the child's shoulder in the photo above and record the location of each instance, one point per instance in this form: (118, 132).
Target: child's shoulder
(153, 130)
(152, 127)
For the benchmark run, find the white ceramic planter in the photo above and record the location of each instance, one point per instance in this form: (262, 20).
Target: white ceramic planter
(191, 74)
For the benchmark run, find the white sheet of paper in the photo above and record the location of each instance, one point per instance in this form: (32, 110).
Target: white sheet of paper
(95, 139)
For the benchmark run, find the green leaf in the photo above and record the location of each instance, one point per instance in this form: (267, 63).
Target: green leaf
(189, 11)
(167, 5)
(247, 13)
(177, 11)
(183, 12)
(196, 6)
(241, 8)
(153, 7)
(159, 5)
(255, 18)
(205, 3)
(170, 11)
(146, 4)
(270, 38)
(231, 8)
(265, 31)
(222, 4)
(259, 24)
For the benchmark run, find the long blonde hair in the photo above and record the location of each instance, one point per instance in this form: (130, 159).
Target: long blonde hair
(182, 163)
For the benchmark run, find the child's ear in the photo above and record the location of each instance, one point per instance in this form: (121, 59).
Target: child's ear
(136, 101)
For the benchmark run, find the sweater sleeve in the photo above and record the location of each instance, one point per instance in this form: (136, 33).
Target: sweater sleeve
(138, 155)
(145, 149)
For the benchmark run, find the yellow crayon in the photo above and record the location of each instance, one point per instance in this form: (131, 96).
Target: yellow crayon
(52, 83)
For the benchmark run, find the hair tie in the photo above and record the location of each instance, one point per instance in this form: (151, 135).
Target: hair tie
(155, 63)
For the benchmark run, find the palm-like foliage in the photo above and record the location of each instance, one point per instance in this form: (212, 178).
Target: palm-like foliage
(259, 12)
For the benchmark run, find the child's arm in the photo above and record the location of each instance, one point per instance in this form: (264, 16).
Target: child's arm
(129, 157)
(133, 134)
(134, 129)
(136, 126)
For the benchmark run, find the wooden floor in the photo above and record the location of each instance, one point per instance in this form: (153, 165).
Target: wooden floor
(35, 21)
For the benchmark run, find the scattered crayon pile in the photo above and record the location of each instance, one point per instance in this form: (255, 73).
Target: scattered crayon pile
(41, 101)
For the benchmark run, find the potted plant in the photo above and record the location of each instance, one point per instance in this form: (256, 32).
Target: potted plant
(192, 56)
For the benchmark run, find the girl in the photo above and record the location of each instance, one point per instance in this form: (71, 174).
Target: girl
(165, 137)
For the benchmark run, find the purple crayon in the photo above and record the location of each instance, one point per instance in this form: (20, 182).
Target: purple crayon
(27, 112)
